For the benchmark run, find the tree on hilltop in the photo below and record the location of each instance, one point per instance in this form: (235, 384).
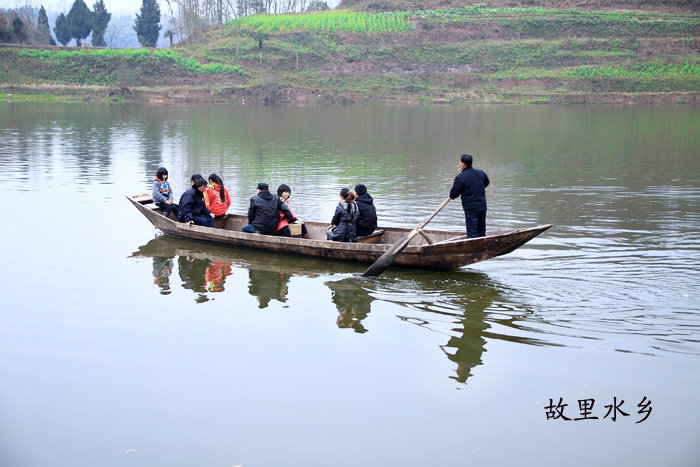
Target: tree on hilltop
(43, 31)
(61, 30)
(317, 5)
(169, 34)
(17, 26)
(99, 20)
(147, 25)
(79, 21)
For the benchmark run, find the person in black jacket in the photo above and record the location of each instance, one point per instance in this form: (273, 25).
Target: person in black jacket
(471, 184)
(263, 213)
(367, 222)
(344, 220)
(192, 209)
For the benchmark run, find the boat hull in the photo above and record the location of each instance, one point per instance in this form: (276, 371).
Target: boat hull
(433, 249)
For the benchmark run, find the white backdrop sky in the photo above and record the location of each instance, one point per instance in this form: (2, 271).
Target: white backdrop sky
(113, 6)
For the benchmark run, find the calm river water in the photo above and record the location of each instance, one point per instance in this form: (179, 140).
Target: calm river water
(122, 347)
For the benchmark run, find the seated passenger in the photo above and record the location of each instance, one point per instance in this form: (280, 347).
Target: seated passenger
(345, 219)
(163, 192)
(216, 197)
(192, 208)
(367, 222)
(284, 192)
(263, 213)
(194, 178)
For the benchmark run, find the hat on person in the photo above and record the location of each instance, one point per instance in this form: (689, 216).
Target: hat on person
(263, 186)
(360, 189)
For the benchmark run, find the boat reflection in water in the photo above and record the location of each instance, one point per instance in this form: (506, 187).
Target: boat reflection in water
(199, 272)
(464, 306)
(204, 268)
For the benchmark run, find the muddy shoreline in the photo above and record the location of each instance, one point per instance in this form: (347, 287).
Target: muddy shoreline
(235, 96)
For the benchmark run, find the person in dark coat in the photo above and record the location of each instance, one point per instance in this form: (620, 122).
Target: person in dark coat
(345, 219)
(367, 222)
(264, 213)
(192, 208)
(192, 276)
(471, 185)
(267, 286)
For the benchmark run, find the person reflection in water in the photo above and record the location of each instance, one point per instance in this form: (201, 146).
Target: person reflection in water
(199, 271)
(162, 268)
(192, 274)
(469, 345)
(466, 347)
(203, 275)
(268, 285)
(460, 312)
(353, 303)
(216, 274)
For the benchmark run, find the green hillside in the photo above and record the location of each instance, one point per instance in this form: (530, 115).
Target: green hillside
(472, 54)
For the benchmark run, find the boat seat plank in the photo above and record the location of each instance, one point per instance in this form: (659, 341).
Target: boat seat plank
(142, 198)
(452, 240)
(374, 237)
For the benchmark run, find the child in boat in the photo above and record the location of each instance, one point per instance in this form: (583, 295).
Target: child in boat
(216, 197)
(284, 192)
(163, 192)
(345, 219)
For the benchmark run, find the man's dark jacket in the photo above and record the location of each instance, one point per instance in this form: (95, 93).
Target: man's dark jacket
(191, 205)
(471, 184)
(264, 212)
(368, 214)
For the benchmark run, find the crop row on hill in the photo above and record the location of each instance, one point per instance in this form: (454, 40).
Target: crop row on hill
(329, 21)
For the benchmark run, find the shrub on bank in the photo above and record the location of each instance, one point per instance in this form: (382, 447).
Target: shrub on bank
(135, 56)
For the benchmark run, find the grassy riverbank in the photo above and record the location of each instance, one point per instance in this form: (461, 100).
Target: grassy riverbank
(473, 54)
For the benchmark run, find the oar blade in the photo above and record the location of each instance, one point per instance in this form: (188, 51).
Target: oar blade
(387, 258)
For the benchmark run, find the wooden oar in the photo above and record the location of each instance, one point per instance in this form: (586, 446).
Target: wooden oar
(387, 258)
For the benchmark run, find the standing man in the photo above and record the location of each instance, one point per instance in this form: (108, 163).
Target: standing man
(471, 184)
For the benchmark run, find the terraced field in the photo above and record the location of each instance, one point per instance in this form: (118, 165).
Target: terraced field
(472, 54)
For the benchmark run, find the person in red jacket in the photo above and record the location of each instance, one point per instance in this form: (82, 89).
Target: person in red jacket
(216, 197)
(284, 192)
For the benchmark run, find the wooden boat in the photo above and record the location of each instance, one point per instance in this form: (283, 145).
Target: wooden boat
(432, 249)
